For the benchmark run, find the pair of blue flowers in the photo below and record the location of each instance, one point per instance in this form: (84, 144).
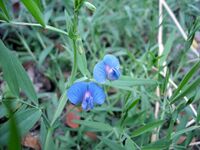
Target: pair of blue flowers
(89, 93)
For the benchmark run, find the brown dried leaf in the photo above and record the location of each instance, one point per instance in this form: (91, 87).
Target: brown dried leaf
(31, 140)
(72, 114)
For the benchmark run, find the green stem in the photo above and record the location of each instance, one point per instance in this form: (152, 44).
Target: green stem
(74, 39)
(48, 27)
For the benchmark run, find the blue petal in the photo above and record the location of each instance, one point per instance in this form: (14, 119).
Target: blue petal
(88, 103)
(111, 61)
(114, 75)
(76, 92)
(84, 105)
(97, 93)
(99, 72)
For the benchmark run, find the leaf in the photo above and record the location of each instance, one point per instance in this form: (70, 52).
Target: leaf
(14, 136)
(165, 82)
(14, 74)
(147, 127)
(129, 145)
(96, 125)
(3, 17)
(111, 144)
(34, 10)
(127, 83)
(59, 109)
(167, 47)
(39, 4)
(132, 119)
(158, 145)
(133, 104)
(4, 9)
(184, 131)
(44, 54)
(43, 133)
(198, 114)
(25, 121)
(82, 63)
(194, 27)
(187, 90)
(186, 78)
(128, 109)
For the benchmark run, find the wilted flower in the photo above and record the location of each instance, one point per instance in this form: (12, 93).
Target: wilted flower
(86, 93)
(108, 68)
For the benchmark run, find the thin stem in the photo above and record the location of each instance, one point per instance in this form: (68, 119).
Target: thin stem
(74, 39)
(48, 27)
(155, 135)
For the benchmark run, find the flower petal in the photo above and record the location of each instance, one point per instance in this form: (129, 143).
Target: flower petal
(97, 93)
(114, 74)
(111, 61)
(76, 92)
(99, 72)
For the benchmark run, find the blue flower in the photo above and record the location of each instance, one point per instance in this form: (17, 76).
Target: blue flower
(86, 93)
(108, 68)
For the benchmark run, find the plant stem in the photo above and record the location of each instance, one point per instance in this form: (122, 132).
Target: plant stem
(48, 27)
(74, 39)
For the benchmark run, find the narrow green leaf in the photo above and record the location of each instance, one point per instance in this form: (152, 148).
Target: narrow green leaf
(111, 144)
(198, 114)
(25, 121)
(44, 54)
(8, 69)
(190, 88)
(96, 125)
(184, 131)
(43, 132)
(194, 27)
(127, 83)
(59, 109)
(185, 80)
(14, 137)
(82, 63)
(128, 109)
(3, 17)
(146, 128)
(39, 4)
(14, 73)
(158, 145)
(49, 144)
(129, 145)
(4, 9)
(133, 104)
(167, 47)
(34, 10)
(132, 119)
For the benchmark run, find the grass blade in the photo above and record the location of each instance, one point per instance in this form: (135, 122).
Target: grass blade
(147, 127)
(190, 88)
(185, 80)
(127, 83)
(34, 10)
(14, 74)
(4, 9)
(25, 121)
(184, 131)
(96, 125)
